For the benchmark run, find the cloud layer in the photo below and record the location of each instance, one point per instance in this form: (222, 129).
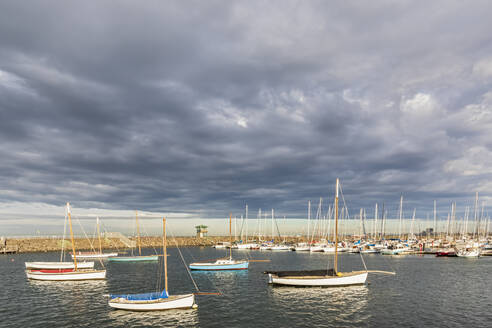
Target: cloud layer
(205, 106)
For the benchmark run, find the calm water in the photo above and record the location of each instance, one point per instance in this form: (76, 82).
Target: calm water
(426, 292)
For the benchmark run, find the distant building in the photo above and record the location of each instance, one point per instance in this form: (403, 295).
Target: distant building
(201, 231)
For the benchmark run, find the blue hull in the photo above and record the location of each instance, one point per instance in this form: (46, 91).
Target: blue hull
(216, 267)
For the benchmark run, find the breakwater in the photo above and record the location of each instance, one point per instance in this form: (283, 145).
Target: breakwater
(40, 244)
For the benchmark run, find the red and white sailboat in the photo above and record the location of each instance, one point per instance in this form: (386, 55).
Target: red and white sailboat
(62, 274)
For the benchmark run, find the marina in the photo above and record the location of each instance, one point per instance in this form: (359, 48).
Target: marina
(422, 285)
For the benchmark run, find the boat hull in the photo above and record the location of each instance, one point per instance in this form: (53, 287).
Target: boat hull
(66, 276)
(173, 302)
(243, 265)
(94, 255)
(133, 258)
(58, 265)
(328, 281)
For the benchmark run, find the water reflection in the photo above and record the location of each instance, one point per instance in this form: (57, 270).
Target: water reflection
(344, 304)
(169, 318)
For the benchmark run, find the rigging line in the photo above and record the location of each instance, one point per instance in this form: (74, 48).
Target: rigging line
(147, 234)
(90, 243)
(63, 240)
(187, 268)
(105, 232)
(182, 258)
(363, 262)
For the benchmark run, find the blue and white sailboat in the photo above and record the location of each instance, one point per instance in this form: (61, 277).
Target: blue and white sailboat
(154, 301)
(223, 263)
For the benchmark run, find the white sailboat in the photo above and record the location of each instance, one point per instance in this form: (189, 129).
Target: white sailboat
(61, 264)
(135, 258)
(61, 274)
(325, 278)
(96, 255)
(156, 301)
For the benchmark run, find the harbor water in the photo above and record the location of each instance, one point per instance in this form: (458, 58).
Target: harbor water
(426, 292)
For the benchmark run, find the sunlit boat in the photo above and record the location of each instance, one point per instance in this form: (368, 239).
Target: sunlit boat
(135, 258)
(223, 263)
(65, 274)
(220, 264)
(156, 301)
(325, 278)
(74, 273)
(58, 265)
(471, 253)
(94, 255)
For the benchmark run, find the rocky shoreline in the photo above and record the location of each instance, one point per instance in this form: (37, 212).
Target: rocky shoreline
(33, 245)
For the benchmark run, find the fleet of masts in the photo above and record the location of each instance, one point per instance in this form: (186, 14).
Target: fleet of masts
(458, 237)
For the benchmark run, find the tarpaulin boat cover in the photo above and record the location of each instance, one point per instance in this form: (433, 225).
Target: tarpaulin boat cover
(141, 297)
(302, 273)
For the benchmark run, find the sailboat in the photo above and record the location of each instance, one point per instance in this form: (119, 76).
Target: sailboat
(61, 264)
(155, 301)
(324, 277)
(223, 263)
(96, 255)
(60, 274)
(138, 257)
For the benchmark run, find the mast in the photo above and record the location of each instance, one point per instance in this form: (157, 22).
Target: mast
(164, 248)
(375, 222)
(336, 230)
(138, 234)
(99, 236)
(273, 236)
(413, 223)
(360, 226)
(246, 219)
(71, 236)
(435, 220)
(230, 236)
(401, 216)
(309, 217)
(476, 215)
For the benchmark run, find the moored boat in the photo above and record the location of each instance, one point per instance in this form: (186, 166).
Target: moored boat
(58, 265)
(62, 274)
(154, 301)
(325, 278)
(220, 264)
(223, 263)
(94, 255)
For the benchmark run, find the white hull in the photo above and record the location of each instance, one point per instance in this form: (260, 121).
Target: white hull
(95, 256)
(280, 248)
(64, 276)
(347, 280)
(173, 302)
(59, 265)
(247, 246)
(469, 254)
(316, 249)
(329, 250)
(302, 249)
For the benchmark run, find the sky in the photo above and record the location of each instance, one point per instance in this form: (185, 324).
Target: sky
(196, 108)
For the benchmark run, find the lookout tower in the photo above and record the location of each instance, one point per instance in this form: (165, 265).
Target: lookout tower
(201, 231)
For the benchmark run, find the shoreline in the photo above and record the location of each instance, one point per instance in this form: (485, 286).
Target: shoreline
(53, 244)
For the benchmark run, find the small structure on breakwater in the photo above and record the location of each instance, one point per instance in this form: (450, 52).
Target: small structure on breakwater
(201, 231)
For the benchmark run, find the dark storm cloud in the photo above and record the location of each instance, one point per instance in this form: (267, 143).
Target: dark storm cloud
(192, 106)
